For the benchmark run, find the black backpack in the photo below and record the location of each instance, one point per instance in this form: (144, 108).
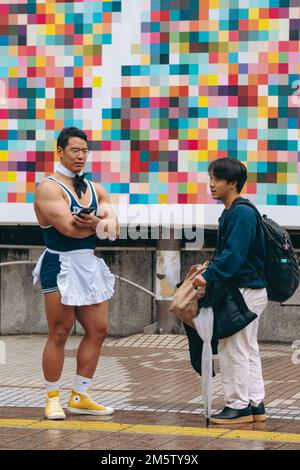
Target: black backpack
(282, 269)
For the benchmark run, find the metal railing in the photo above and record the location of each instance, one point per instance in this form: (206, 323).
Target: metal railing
(123, 279)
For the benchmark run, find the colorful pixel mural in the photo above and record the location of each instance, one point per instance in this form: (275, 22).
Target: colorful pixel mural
(207, 79)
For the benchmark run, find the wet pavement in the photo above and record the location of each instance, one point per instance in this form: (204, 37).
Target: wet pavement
(157, 396)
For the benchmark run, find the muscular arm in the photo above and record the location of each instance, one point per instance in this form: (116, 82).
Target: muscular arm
(50, 204)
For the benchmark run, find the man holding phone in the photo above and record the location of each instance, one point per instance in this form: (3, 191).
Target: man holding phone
(75, 283)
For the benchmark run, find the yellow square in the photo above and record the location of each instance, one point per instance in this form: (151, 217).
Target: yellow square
(263, 24)
(262, 112)
(253, 13)
(281, 178)
(262, 103)
(50, 29)
(212, 145)
(97, 82)
(203, 101)
(273, 57)
(193, 134)
(59, 18)
(163, 199)
(252, 156)
(50, 7)
(49, 113)
(212, 79)
(192, 188)
(40, 61)
(106, 124)
(184, 48)
(202, 155)
(13, 72)
(96, 135)
(3, 155)
(11, 176)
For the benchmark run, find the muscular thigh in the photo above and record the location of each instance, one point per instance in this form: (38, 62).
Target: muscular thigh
(93, 318)
(58, 315)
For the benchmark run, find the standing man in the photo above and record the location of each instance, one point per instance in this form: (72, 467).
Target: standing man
(240, 257)
(75, 283)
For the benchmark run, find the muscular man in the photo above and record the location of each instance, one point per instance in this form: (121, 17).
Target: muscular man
(74, 281)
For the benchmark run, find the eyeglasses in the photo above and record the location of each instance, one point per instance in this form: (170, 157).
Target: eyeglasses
(75, 152)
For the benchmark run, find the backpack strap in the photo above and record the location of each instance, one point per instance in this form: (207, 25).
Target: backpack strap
(239, 201)
(247, 277)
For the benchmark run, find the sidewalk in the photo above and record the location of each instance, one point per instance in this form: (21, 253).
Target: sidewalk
(157, 396)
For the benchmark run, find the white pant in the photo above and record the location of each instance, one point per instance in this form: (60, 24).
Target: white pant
(239, 358)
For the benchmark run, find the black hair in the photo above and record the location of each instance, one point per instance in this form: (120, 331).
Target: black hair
(65, 134)
(229, 169)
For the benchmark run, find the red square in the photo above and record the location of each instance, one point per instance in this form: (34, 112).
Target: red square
(182, 198)
(192, 144)
(182, 177)
(126, 91)
(134, 167)
(105, 145)
(232, 100)
(12, 197)
(251, 188)
(283, 68)
(252, 133)
(273, 12)
(233, 80)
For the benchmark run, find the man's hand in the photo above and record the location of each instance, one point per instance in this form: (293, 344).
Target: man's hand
(86, 221)
(199, 281)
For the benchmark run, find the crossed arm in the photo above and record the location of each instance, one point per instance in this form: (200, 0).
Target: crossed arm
(107, 225)
(53, 208)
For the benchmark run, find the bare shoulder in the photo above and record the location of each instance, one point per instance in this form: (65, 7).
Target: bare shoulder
(47, 188)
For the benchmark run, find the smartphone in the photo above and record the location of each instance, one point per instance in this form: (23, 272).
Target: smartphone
(86, 210)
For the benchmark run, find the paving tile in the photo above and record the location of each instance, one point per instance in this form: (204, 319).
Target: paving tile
(230, 444)
(149, 379)
(289, 446)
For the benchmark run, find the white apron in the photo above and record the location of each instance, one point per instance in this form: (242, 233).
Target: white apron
(84, 279)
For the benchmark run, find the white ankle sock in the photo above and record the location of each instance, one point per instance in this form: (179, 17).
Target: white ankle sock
(51, 386)
(82, 384)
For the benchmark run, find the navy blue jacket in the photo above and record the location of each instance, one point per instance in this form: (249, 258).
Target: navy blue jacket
(241, 248)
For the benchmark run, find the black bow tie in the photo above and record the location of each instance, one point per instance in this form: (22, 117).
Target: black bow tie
(80, 184)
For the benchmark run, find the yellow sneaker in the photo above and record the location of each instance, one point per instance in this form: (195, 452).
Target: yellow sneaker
(53, 406)
(80, 404)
